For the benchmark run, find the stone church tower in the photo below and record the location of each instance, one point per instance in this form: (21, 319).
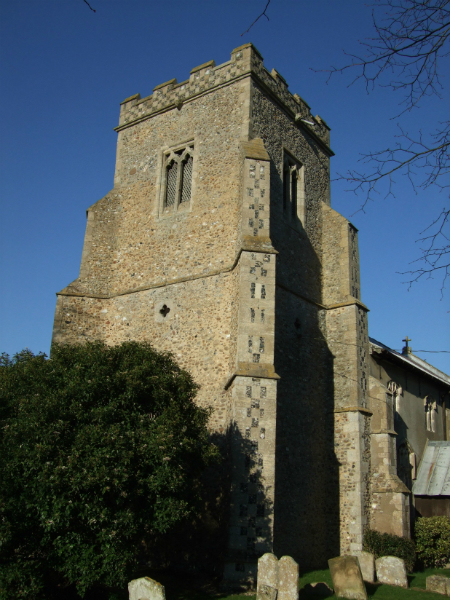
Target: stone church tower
(218, 243)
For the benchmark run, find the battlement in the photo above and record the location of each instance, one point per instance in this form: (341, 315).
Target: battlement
(245, 61)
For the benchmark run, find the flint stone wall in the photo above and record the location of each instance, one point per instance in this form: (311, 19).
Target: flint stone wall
(247, 295)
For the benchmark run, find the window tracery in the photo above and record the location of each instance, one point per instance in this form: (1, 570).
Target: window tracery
(397, 392)
(430, 413)
(177, 180)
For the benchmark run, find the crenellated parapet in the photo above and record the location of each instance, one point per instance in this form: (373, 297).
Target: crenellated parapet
(245, 60)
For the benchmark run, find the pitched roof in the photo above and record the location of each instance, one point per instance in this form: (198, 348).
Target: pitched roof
(409, 361)
(433, 476)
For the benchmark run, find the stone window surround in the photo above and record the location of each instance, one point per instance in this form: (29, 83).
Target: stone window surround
(178, 208)
(397, 392)
(430, 406)
(294, 167)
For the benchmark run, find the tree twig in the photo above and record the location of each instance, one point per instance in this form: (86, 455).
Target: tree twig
(263, 14)
(93, 9)
(406, 52)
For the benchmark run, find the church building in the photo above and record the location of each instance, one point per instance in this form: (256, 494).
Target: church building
(218, 243)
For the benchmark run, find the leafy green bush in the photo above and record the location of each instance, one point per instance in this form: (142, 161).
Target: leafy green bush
(386, 544)
(433, 541)
(101, 448)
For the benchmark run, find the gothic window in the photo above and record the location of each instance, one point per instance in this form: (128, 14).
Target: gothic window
(430, 413)
(293, 190)
(397, 392)
(177, 179)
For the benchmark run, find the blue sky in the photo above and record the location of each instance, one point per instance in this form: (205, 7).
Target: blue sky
(63, 72)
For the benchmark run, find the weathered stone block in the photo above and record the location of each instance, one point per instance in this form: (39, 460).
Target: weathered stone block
(265, 592)
(287, 579)
(347, 578)
(392, 571)
(438, 584)
(267, 574)
(367, 565)
(146, 589)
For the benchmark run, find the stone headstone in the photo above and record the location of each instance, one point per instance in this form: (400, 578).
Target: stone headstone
(265, 592)
(347, 578)
(318, 588)
(146, 589)
(267, 575)
(438, 584)
(391, 570)
(367, 565)
(287, 579)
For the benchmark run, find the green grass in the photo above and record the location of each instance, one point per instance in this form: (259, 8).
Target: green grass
(186, 587)
(195, 587)
(419, 579)
(382, 592)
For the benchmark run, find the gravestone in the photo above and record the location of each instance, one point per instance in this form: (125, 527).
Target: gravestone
(392, 571)
(367, 565)
(267, 585)
(265, 592)
(347, 578)
(438, 584)
(146, 589)
(287, 579)
(277, 579)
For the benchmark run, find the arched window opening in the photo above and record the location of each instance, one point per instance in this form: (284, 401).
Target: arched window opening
(177, 182)
(186, 177)
(294, 190)
(171, 188)
(430, 413)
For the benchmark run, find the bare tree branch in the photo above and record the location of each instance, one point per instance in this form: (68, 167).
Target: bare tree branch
(424, 163)
(93, 9)
(436, 252)
(410, 42)
(412, 38)
(263, 14)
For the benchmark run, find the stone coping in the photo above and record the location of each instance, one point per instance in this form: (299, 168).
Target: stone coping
(211, 64)
(162, 85)
(166, 282)
(389, 431)
(360, 409)
(255, 149)
(249, 245)
(245, 61)
(262, 371)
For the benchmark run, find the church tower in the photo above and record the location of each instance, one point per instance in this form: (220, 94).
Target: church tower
(218, 244)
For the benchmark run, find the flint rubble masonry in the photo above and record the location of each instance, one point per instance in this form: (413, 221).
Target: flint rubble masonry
(256, 293)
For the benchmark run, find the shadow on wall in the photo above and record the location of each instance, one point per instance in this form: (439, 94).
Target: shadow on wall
(307, 483)
(203, 543)
(307, 502)
(251, 507)
(200, 543)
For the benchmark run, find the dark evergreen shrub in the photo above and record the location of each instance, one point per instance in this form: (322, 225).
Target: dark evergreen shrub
(433, 541)
(386, 544)
(101, 448)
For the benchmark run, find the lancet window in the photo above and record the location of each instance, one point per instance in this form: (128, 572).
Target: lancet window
(397, 392)
(430, 413)
(177, 182)
(293, 190)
